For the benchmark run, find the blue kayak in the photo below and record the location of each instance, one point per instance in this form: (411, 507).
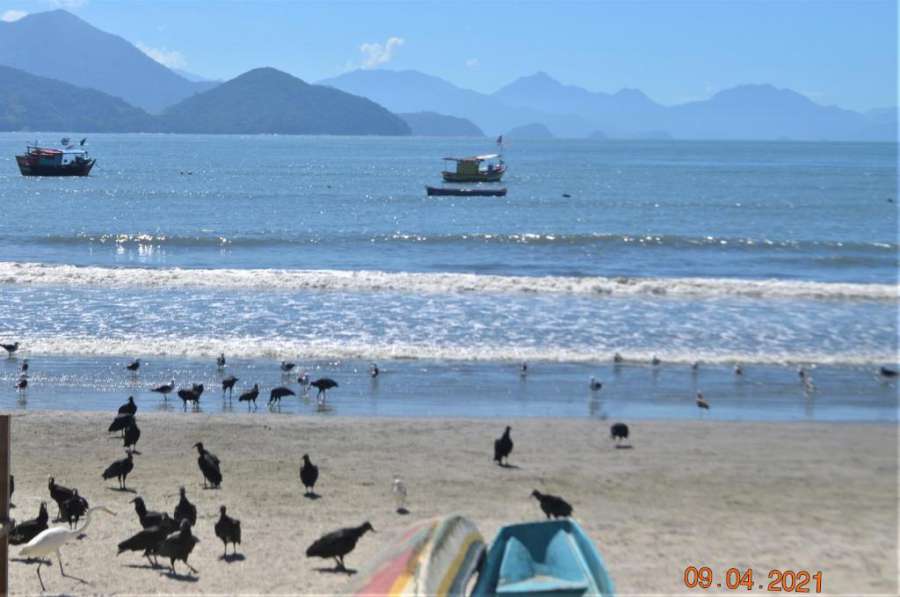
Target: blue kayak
(552, 557)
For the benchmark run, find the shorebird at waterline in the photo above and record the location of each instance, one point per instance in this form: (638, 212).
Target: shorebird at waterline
(165, 389)
(10, 348)
(134, 365)
(701, 401)
(594, 384)
(220, 361)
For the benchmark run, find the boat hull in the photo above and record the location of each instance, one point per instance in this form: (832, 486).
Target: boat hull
(448, 192)
(493, 176)
(32, 167)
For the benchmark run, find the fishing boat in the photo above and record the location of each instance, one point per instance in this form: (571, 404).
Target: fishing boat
(48, 161)
(552, 557)
(466, 192)
(477, 168)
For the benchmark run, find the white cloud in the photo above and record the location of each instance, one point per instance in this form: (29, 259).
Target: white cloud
(13, 15)
(166, 57)
(375, 53)
(472, 63)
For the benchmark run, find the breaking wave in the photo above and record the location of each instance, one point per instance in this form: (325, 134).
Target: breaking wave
(17, 273)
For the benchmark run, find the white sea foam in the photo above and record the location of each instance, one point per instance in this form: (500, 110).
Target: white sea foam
(441, 283)
(278, 349)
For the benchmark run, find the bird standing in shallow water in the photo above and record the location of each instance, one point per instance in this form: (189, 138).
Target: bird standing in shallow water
(887, 372)
(309, 474)
(220, 362)
(338, 544)
(250, 396)
(323, 384)
(595, 385)
(185, 510)
(655, 361)
(24, 367)
(10, 348)
(503, 447)
(22, 384)
(287, 367)
(165, 389)
(374, 371)
(738, 370)
(228, 385)
(191, 395)
(276, 394)
(134, 365)
(701, 401)
(553, 505)
(228, 529)
(209, 466)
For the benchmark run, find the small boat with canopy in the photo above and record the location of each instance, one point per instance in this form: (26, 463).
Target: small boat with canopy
(477, 168)
(71, 160)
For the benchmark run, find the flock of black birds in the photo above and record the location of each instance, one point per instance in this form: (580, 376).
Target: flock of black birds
(171, 536)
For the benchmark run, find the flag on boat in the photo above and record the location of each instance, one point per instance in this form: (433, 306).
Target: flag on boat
(432, 557)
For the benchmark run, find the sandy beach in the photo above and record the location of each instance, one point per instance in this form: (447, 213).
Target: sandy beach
(798, 496)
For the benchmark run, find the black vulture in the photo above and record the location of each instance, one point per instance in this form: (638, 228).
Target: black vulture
(191, 395)
(228, 384)
(503, 447)
(129, 408)
(134, 365)
(338, 544)
(324, 384)
(165, 389)
(595, 385)
(148, 518)
(132, 435)
(26, 530)
(178, 546)
(887, 372)
(60, 495)
(701, 401)
(209, 466)
(278, 393)
(10, 348)
(287, 367)
(185, 510)
(74, 508)
(618, 431)
(220, 362)
(121, 422)
(120, 469)
(146, 540)
(309, 474)
(228, 529)
(250, 396)
(553, 505)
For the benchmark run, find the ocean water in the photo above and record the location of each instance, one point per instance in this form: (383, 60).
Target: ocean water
(327, 251)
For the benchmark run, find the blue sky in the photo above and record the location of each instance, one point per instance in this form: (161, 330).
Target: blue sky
(836, 52)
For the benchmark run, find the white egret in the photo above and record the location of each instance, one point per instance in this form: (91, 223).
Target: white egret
(51, 540)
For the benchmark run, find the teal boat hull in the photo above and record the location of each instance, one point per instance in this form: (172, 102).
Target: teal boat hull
(553, 558)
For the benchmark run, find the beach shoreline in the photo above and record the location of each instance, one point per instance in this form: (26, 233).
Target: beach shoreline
(787, 495)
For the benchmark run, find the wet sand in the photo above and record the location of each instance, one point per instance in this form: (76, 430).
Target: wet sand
(798, 496)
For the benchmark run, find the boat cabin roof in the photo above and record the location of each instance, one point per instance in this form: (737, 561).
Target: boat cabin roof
(475, 158)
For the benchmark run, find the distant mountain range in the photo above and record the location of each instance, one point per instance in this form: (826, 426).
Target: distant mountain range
(48, 51)
(61, 46)
(743, 112)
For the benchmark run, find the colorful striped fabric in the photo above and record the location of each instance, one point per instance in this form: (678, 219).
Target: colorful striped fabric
(432, 557)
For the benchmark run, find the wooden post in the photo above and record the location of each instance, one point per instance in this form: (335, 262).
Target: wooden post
(4, 505)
